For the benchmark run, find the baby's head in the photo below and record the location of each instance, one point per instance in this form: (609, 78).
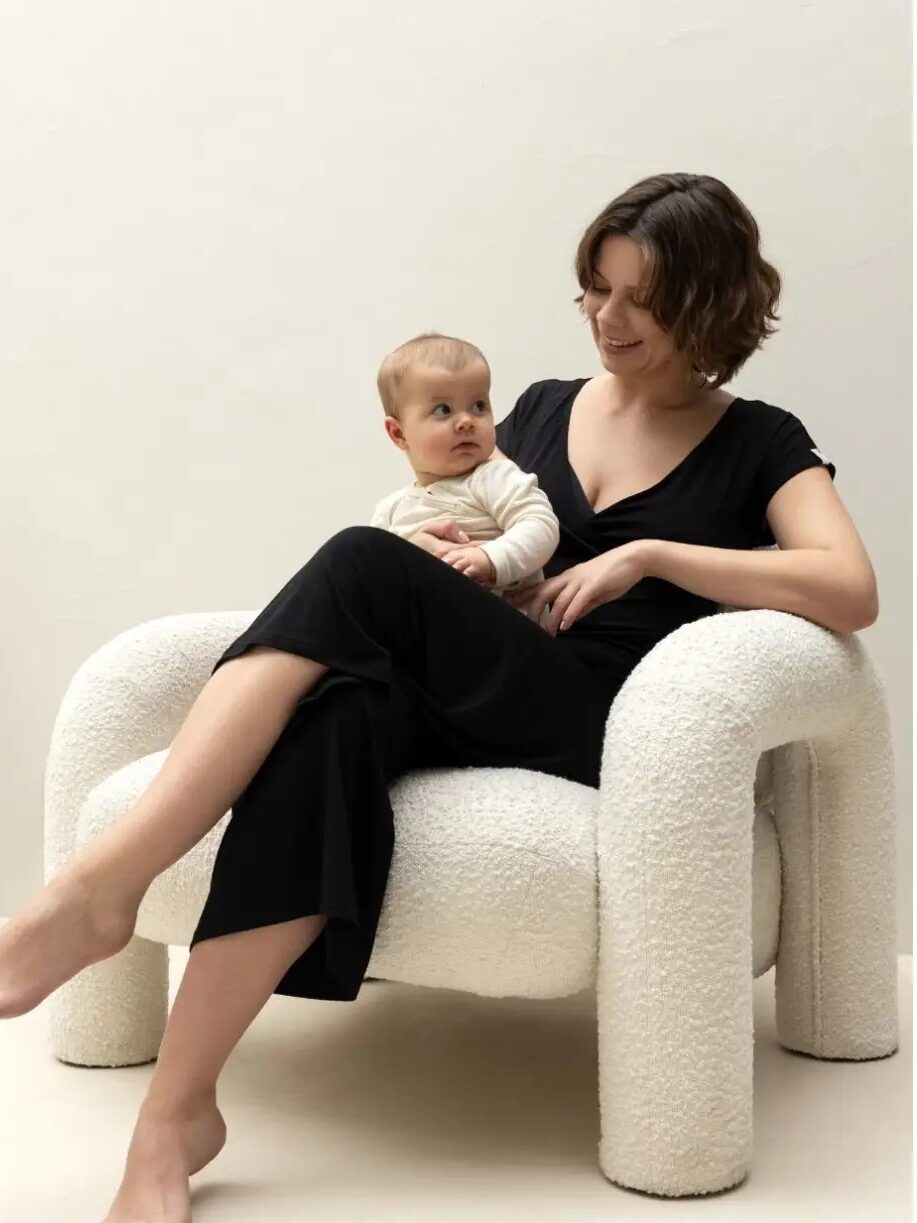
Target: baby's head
(436, 393)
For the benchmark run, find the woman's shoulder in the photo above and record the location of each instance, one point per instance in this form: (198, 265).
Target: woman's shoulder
(544, 396)
(534, 417)
(766, 418)
(546, 388)
(781, 439)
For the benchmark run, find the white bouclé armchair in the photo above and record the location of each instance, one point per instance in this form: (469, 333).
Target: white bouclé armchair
(745, 818)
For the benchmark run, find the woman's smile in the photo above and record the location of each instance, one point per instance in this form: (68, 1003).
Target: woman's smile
(620, 346)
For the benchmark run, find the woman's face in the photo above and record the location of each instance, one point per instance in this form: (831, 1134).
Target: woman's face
(612, 306)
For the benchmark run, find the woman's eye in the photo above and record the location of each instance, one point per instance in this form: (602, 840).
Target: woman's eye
(601, 291)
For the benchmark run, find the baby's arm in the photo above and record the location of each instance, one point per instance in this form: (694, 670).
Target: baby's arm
(530, 528)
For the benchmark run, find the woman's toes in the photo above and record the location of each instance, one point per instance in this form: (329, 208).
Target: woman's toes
(165, 1150)
(61, 931)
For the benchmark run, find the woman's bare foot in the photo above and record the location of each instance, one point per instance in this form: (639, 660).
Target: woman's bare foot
(167, 1147)
(70, 924)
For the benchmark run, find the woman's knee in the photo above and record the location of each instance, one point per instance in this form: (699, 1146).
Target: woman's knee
(359, 541)
(371, 557)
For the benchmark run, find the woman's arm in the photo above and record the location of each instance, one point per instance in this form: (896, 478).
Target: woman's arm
(822, 571)
(817, 583)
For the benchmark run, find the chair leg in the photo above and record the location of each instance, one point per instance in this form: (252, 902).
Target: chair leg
(836, 976)
(113, 1013)
(674, 974)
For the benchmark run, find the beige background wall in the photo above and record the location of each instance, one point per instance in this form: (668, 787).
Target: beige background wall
(217, 217)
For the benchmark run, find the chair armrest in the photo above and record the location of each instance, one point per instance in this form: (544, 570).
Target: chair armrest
(674, 844)
(127, 699)
(783, 674)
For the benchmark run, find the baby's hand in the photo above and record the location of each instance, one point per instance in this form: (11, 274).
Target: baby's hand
(474, 562)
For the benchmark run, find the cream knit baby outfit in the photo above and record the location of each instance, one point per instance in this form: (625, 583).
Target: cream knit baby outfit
(499, 506)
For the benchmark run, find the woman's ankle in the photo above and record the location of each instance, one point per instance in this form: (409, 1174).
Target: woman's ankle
(163, 1105)
(105, 884)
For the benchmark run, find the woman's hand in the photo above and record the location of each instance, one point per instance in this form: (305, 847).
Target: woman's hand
(440, 537)
(582, 588)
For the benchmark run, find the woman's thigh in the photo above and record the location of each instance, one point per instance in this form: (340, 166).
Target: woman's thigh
(491, 686)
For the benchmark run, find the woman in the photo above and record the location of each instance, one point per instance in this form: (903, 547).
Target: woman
(377, 652)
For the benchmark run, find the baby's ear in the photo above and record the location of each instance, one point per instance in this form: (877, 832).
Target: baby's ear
(396, 434)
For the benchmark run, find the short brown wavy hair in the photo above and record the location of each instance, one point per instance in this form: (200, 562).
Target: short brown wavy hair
(709, 285)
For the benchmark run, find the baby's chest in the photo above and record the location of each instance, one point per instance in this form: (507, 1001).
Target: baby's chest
(427, 504)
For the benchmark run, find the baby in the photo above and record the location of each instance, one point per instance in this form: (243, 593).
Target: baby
(436, 393)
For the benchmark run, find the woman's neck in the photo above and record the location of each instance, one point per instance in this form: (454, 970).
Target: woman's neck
(652, 396)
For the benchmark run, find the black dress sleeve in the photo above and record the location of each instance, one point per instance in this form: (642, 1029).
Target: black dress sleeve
(789, 450)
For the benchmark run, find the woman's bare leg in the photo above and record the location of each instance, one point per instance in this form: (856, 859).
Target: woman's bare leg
(88, 911)
(179, 1129)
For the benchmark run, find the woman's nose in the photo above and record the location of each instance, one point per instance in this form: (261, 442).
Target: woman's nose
(610, 312)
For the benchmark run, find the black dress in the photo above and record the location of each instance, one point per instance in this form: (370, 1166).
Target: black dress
(429, 669)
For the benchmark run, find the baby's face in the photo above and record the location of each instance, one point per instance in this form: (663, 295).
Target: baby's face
(446, 419)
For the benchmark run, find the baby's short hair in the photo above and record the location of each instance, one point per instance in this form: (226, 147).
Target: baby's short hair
(430, 348)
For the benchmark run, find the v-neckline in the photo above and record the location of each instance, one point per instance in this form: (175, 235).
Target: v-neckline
(577, 484)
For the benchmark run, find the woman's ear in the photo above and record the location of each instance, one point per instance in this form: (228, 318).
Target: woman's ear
(396, 433)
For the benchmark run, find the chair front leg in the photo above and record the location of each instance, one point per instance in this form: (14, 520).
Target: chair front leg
(674, 978)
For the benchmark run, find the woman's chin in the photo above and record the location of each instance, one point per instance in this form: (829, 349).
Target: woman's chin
(620, 366)
(611, 365)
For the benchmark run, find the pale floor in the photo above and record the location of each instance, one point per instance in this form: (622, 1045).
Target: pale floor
(424, 1105)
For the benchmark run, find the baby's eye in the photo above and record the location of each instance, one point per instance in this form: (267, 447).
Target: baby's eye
(482, 405)
(441, 405)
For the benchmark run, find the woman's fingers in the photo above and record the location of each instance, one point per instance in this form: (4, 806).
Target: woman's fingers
(559, 605)
(575, 608)
(570, 595)
(429, 543)
(439, 538)
(446, 528)
(546, 593)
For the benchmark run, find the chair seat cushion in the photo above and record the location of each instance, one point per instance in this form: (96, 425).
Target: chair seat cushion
(492, 887)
